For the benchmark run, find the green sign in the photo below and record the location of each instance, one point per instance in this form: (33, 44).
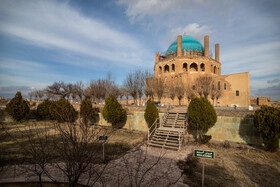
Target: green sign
(103, 137)
(204, 154)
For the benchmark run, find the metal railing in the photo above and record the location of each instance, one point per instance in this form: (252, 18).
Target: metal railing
(154, 125)
(165, 114)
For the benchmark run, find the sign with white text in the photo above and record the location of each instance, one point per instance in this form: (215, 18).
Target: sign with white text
(203, 154)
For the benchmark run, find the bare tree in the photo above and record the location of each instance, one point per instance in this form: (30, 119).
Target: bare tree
(171, 92)
(190, 93)
(58, 89)
(159, 88)
(124, 92)
(149, 91)
(40, 94)
(215, 93)
(31, 94)
(78, 91)
(76, 154)
(219, 94)
(130, 84)
(180, 90)
(203, 85)
(36, 148)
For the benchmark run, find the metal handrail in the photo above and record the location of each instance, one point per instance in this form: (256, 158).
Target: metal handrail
(181, 133)
(165, 114)
(149, 134)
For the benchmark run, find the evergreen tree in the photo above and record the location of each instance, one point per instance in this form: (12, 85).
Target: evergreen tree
(63, 111)
(18, 108)
(86, 111)
(113, 111)
(267, 121)
(202, 116)
(151, 113)
(44, 110)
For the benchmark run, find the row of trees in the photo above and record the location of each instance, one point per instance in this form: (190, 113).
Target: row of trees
(60, 110)
(204, 86)
(98, 90)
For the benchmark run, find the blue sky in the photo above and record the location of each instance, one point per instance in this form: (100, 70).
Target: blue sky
(80, 40)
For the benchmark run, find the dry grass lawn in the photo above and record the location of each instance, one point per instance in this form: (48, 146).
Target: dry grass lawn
(119, 140)
(238, 166)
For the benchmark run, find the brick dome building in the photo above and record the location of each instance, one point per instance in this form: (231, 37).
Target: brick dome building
(184, 62)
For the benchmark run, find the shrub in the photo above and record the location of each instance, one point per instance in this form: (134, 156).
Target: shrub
(202, 116)
(86, 111)
(267, 121)
(63, 111)
(113, 111)
(151, 113)
(44, 110)
(18, 108)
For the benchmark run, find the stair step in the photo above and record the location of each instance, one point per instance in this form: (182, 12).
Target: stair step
(155, 145)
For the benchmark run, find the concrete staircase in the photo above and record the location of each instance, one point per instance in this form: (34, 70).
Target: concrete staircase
(171, 133)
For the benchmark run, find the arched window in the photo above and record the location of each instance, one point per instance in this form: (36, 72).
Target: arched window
(193, 67)
(193, 87)
(185, 67)
(202, 67)
(225, 86)
(173, 67)
(166, 68)
(215, 70)
(219, 85)
(160, 69)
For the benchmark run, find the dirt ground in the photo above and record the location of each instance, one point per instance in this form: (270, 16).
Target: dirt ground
(233, 165)
(237, 165)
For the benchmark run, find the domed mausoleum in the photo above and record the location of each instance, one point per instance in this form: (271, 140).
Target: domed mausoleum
(186, 61)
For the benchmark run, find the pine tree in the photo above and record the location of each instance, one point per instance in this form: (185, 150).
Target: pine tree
(86, 111)
(44, 110)
(18, 108)
(63, 111)
(202, 116)
(151, 113)
(113, 111)
(267, 121)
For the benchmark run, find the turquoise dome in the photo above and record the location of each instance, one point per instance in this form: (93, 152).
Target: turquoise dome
(188, 43)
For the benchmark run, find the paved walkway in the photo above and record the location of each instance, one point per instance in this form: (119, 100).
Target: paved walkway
(158, 168)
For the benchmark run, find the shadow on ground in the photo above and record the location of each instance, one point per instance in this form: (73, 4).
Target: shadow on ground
(249, 133)
(266, 175)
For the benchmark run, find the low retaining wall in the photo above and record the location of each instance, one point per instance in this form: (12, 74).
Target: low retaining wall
(135, 121)
(237, 129)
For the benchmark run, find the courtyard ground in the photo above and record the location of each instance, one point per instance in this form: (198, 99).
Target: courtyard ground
(233, 165)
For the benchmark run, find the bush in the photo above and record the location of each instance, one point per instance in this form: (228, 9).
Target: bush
(151, 113)
(63, 111)
(86, 111)
(202, 116)
(267, 121)
(18, 108)
(113, 111)
(44, 110)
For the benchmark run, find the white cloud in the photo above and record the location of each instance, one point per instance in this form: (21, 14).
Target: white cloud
(138, 9)
(58, 26)
(193, 29)
(261, 60)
